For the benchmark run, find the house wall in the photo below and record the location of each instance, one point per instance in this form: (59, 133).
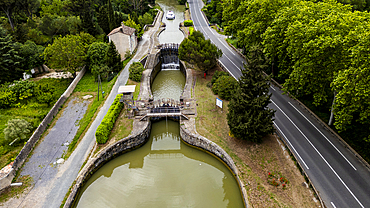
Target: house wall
(122, 43)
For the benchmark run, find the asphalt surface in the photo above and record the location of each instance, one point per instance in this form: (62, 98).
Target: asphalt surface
(340, 179)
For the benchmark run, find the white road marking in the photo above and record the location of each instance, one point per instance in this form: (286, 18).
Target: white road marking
(228, 70)
(272, 88)
(286, 138)
(232, 62)
(332, 204)
(323, 136)
(344, 184)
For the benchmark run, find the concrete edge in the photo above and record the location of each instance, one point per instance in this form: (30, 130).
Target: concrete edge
(28, 147)
(211, 147)
(112, 151)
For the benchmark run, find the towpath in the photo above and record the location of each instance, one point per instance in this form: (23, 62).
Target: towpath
(51, 179)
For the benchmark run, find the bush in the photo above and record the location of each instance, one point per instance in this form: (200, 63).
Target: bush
(225, 87)
(23, 89)
(17, 129)
(191, 30)
(7, 98)
(218, 74)
(181, 2)
(188, 23)
(106, 126)
(136, 70)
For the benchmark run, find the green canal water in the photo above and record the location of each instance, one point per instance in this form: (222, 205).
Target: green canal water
(165, 172)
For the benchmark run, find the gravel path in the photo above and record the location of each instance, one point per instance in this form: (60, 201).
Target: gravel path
(52, 180)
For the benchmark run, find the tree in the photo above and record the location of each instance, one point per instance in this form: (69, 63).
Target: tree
(113, 58)
(17, 129)
(249, 118)
(96, 53)
(136, 70)
(10, 60)
(68, 53)
(197, 50)
(31, 54)
(8, 6)
(111, 20)
(225, 87)
(103, 20)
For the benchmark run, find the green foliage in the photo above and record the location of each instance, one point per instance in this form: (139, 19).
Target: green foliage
(113, 58)
(31, 54)
(68, 53)
(110, 16)
(225, 87)
(188, 23)
(17, 129)
(213, 11)
(181, 2)
(10, 60)
(7, 98)
(191, 30)
(249, 117)
(96, 53)
(146, 19)
(106, 126)
(197, 50)
(217, 75)
(23, 89)
(136, 70)
(100, 69)
(131, 23)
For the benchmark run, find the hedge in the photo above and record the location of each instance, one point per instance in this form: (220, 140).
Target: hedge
(188, 23)
(106, 126)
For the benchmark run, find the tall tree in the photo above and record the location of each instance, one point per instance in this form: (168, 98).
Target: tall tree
(197, 50)
(10, 60)
(111, 20)
(8, 7)
(249, 118)
(113, 58)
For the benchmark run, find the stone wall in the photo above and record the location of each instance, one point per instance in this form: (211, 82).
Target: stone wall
(26, 150)
(211, 147)
(124, 145)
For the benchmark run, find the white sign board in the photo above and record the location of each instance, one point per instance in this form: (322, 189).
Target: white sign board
(219, 102)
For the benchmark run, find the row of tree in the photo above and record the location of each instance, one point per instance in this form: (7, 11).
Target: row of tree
(318, 50)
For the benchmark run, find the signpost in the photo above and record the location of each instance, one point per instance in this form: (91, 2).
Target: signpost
(219, 102)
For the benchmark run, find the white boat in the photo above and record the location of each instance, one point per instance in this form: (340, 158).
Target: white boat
(170, 15)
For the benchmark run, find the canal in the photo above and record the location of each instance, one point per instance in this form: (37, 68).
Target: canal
(165, 172)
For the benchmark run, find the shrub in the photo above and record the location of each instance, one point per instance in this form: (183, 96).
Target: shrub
(188, 23)
(17, 129)
(191, 30)
(181, 2)
(136, 70)
(218, 74)
(7, 98)
(225, 87)
(106, 126)
(23, 89)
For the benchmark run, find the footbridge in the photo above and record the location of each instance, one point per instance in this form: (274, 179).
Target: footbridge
(163, 108)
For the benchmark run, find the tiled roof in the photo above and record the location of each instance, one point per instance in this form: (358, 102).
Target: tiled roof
(123, 29)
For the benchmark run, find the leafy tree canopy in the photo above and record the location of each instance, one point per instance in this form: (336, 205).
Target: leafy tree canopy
(197, 50)
(68, 53)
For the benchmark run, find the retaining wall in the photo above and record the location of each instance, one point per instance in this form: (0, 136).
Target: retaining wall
(211, 147)
(124, 145)
(26, 150)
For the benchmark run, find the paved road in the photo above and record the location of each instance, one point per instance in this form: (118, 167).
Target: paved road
(341, 180)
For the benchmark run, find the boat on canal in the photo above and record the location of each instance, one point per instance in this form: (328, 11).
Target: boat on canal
(170, 15)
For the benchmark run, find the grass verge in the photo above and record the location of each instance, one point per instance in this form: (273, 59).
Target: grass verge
(254, 161)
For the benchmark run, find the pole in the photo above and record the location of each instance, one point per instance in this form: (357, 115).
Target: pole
(98, 86)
